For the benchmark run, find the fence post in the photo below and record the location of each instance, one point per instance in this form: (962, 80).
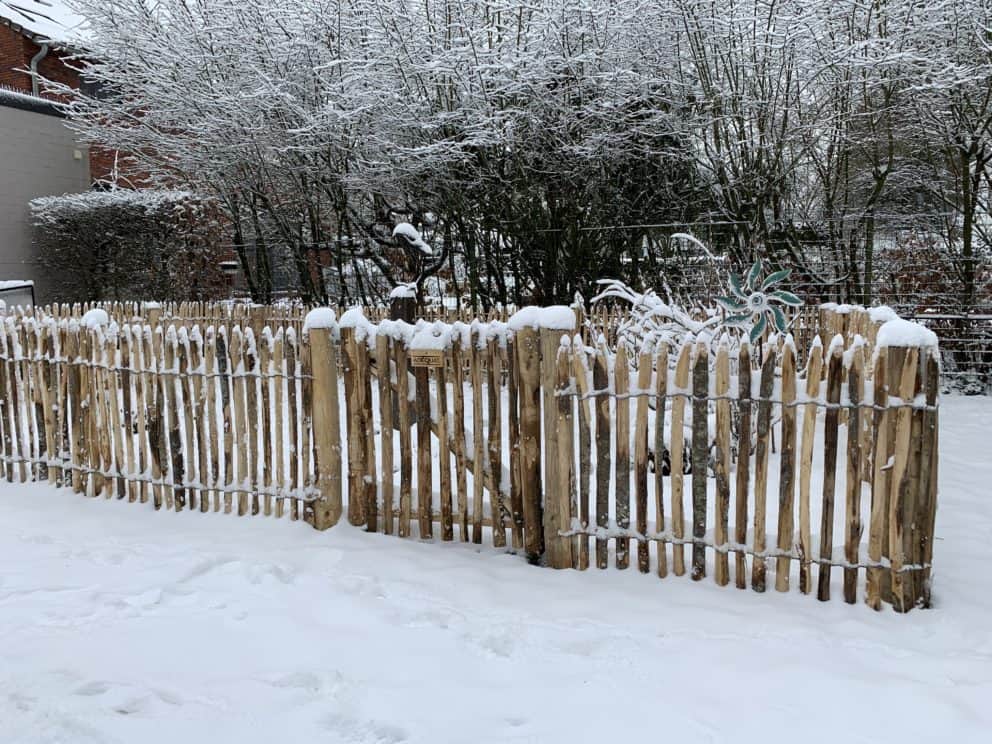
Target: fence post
(326, 426)
(529, 360)
(557, 421)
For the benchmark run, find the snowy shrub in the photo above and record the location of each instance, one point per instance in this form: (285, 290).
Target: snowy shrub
(123, 244)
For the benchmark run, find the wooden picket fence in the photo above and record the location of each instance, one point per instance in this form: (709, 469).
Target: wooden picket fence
(532, 439)
(212, 420)
(567, 450)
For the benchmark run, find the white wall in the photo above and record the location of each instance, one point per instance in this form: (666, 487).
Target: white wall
(37, 158)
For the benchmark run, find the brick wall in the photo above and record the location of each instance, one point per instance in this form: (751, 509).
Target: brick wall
(12, 48)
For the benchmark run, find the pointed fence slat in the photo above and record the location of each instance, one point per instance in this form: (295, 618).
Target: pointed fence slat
(832, 417)
(676, 457)
(743, 484)
(621, 485)
(600, 384)
(641, 458)
(661, 397)
(700, 457)
(852, 520)
(786, 481)
(722, 465)
(759, 561)
(813, 377)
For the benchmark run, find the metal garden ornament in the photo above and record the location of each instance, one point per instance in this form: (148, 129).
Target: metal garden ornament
(753, 301)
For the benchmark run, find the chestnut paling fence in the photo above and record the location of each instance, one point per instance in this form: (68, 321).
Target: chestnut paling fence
(784, 465)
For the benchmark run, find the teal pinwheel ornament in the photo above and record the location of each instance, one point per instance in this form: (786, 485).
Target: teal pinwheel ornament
(755, 303)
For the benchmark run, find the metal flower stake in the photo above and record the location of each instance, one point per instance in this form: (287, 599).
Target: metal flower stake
(754, 301)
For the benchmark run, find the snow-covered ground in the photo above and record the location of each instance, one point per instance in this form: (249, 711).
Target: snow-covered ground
(119, 624)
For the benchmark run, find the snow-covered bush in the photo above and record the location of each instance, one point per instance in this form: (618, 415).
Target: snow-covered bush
(123, 243)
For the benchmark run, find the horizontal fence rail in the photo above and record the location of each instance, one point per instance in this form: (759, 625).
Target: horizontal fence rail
(784, 464)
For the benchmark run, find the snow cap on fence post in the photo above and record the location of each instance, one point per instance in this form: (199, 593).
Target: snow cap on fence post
(906, 334)
(321, 326)
(95, 318)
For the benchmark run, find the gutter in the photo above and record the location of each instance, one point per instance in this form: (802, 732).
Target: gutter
(35, 60)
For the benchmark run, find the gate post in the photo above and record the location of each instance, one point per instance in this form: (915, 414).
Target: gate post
(327, 508)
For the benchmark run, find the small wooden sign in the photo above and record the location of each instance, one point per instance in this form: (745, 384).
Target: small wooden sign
(427, 357)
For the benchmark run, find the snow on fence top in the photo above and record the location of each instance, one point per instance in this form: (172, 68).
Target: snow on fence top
(905, 333)
(555, 318)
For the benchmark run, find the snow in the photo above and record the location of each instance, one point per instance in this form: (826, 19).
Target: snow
(412, 234)
(555, 317)
(50, 210)
(899, 332)
(53, 20)
(320, 317)
(404, 292)
(882, 314)
(121, 624)
(95, 318)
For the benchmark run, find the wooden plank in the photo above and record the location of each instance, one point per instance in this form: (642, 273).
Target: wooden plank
(425, 469)
(129, 411)
(722, 463)
(406, 446)
(48, 374)
(98, 444)
(621, 483)
(831, 420)
(661, 395)
(383, 362)
(353, 418)
(141, 400)
(158, 432)
(307, 471)
(461, 467)
(601, 383)
(252, 394)
(758, 561)
(115, 421)
(529, 365)
(265, 416)
(852, 537)
(700, 457)
(242, 469)
(814, 366)
(226, 390)
(555, 482)
(495, 442)
(75, 392)
(644, 369)
(676, 457)
(786, 480)
(478, 472)
(189, 415)
(879, 484)
(294, 476)
(927, 499)
(280, 430)
(172, 385)
(513, 436)
(560, 547)
(585, 422)
(743, 484)
(443, 453)
(6, 409)
(327, 507)
(901, 510)
(210, 467)
(370, 485)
